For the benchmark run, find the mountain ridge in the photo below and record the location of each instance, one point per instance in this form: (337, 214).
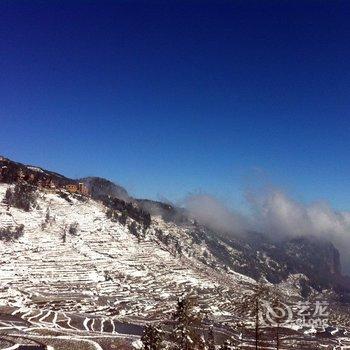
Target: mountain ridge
(254, 249)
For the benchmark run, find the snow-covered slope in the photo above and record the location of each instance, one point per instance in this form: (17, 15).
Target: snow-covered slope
(102, 267)
(82, 268)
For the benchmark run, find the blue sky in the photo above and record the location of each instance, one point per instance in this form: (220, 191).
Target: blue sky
(172, 97)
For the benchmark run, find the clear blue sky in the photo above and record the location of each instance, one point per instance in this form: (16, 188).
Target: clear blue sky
(170, 97)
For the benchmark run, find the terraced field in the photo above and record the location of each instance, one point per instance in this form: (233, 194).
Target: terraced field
(101, 280)
(98, 287)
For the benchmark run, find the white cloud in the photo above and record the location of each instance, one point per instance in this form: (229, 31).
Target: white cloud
(278, 215)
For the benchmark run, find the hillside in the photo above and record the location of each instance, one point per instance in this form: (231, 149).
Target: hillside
(97, 268)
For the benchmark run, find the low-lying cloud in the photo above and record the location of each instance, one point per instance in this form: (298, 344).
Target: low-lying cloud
(275, 213)
(279, 214)
(211, 212)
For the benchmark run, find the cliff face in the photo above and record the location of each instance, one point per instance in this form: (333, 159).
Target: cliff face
(318, 259)
(314, 254)
(258, 257)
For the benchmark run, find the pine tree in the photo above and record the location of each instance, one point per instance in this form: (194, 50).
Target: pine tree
(22, 196)
(47, 216)
(8, 196)
(152, 338)
(252, 306)
(187, 323)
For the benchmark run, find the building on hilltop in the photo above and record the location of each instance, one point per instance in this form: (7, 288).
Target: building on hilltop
(78, 188)
(72, 188)
(82, 189)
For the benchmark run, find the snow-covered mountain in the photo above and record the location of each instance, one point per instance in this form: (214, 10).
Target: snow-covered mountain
(108, 263)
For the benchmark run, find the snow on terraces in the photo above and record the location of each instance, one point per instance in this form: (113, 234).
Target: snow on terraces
(142, 277)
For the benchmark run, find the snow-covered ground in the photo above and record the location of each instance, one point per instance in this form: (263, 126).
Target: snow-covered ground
(103, 269)
(95, 281)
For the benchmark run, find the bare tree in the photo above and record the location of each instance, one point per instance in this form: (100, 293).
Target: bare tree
(278, 317)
